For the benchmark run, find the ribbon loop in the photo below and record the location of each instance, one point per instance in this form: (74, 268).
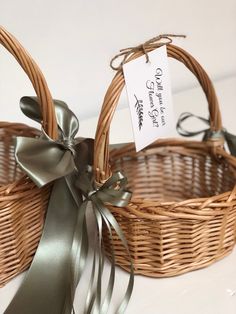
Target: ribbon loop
(67, 122)
(185, 116)
(208, 134)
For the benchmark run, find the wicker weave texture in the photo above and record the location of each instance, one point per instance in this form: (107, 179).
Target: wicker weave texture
(22, 204)
(22, 208)
(193, 222)
(182, 215)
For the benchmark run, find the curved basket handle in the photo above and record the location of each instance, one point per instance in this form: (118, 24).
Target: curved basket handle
(37, 79)
(101, 149)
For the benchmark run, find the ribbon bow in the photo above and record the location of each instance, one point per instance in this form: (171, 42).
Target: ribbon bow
(112, 192)
(153, 43)
(208, 133)
(51, 281)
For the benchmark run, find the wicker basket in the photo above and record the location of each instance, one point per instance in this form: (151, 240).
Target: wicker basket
(182, 214)
(22, 204)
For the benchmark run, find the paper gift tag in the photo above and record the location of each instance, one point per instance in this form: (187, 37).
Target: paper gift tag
(149, 95)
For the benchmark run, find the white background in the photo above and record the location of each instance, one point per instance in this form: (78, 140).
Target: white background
(73, 42)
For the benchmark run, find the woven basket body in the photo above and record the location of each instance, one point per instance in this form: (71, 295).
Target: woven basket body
(22, 204)
(182, 215)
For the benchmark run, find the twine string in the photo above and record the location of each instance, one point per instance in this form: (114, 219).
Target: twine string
(155, 42)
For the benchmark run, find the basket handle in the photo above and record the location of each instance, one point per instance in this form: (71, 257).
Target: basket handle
(37, 79)
(101, 149)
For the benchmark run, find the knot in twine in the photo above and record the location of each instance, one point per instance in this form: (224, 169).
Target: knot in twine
(151, 44)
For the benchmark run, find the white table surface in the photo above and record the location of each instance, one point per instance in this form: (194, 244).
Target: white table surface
(208, 291)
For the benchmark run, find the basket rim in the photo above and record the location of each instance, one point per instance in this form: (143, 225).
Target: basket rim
(169, 143)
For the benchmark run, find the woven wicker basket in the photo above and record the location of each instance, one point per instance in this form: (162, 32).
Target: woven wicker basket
(182, 214)
(22, 204)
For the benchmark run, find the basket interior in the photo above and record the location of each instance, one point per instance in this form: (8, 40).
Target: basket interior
(167, 174)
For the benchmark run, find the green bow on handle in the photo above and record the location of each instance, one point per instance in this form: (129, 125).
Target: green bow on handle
(208, 133)
(51, 281)
(112, 192)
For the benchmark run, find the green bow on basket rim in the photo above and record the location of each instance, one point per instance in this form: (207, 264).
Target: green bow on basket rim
(208, 133)
(50, 284)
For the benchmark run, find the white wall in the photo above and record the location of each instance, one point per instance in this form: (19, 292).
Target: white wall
(74, 40)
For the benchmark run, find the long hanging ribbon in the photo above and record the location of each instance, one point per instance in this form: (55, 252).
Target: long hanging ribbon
(50, 283)
(208, 133)
(107, 193)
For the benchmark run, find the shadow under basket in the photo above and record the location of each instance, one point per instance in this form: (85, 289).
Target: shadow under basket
(22, 207)
(182, 215)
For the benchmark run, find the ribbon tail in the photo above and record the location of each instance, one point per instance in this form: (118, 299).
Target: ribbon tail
(108, 295)
(97, 303)
(112, 192)
(82, 254)
(47, 282)
(231, 141)
(79, 246)
(91, 295)
(111, 219)
(78, 259)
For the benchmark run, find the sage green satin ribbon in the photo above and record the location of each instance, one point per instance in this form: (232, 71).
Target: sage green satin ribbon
(55, 272)
(208, 133)
(107, 193)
